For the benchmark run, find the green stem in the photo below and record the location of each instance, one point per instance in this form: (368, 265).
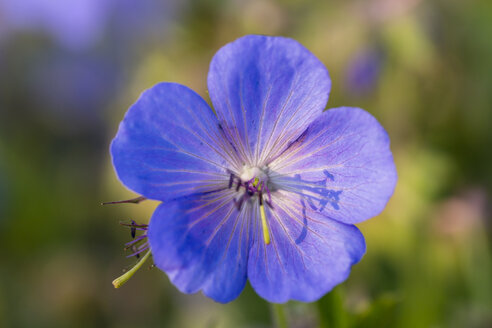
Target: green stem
(118, 282)
(331, 311)
(278, 315)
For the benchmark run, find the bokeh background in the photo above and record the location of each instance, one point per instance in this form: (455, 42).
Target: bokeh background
(69, 69)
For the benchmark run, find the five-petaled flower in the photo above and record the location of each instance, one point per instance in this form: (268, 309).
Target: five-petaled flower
(268, 188)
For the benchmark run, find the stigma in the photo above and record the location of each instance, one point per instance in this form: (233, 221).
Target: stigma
(255, 183)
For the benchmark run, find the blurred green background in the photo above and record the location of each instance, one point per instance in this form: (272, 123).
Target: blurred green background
(70, 69)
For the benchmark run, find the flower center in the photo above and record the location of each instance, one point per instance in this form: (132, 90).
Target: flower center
(255, 183)
(254, 172)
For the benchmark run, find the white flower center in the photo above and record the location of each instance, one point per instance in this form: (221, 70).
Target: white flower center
(254, 172)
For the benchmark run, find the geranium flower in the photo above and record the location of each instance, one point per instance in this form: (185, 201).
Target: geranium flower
(266, 189)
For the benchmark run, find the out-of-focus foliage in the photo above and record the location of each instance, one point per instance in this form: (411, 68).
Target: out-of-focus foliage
(68, 72)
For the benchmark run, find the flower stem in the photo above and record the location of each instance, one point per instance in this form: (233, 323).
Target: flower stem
(278, 315)
(118, 282)
(331, 310)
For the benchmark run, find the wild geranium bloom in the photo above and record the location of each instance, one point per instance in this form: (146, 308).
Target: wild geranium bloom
(266, 189)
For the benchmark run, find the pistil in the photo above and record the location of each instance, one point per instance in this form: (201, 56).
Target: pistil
(118, 282)
(264, 224)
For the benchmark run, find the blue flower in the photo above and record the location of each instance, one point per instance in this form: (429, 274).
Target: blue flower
(269, 188)
(364, 71)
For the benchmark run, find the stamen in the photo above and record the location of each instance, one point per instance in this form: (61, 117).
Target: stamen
(239, 203)
(266, 233)
(136, 245)
(128, 201)
(138, 250)
(134, 227)
(138, 229)
(136, 254)
(133, 230)
(139, 238)
(250, 187)
(231, 180)
(268, 194)
(143, 226)
(118, 282)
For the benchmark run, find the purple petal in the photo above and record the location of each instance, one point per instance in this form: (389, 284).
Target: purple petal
(266, 91)
(168, 145)
(308, 254)
(202, 243)
(342, 166)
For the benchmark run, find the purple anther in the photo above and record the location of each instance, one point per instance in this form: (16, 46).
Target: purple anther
(231, 180)
(133, 231)
(250, 191)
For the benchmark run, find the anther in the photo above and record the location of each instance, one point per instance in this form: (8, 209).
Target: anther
(133, 230)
